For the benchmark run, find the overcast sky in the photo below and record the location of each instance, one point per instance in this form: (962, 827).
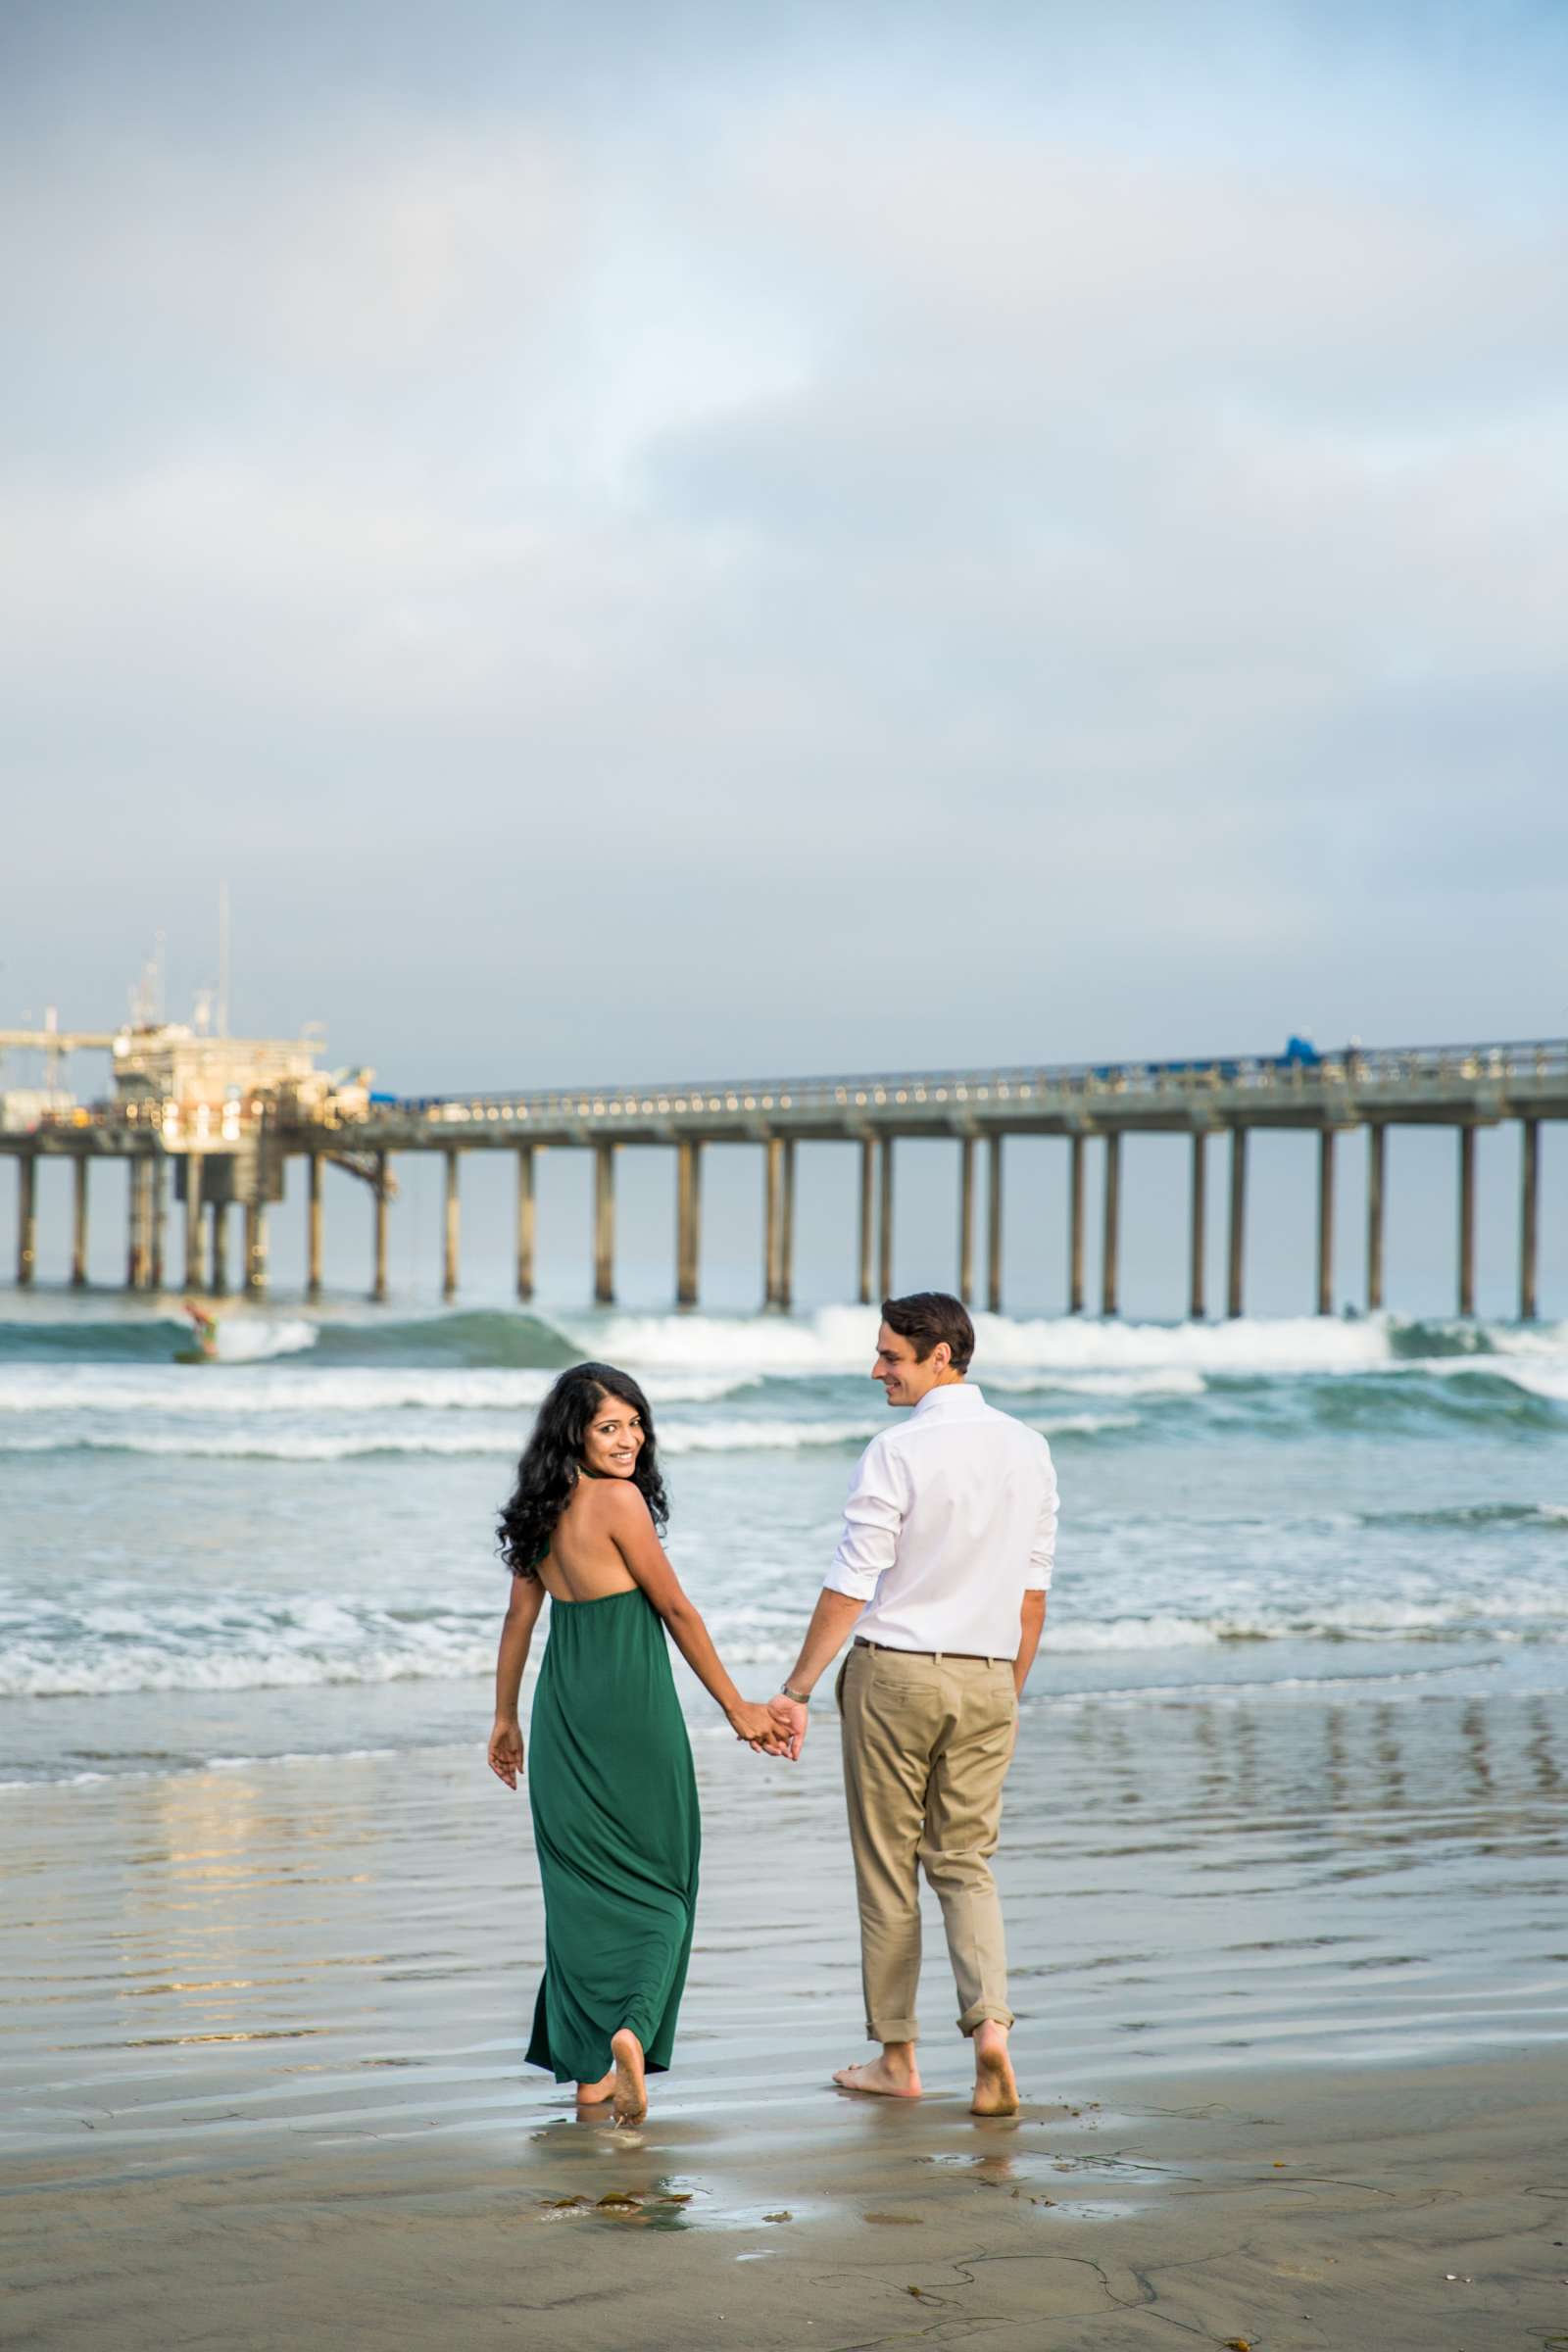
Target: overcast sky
(645, 539)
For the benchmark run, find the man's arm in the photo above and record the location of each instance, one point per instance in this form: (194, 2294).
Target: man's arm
(1031, 1625)
(872, 1517)
(831, 1621)
(832, 1618)
(1041, 1560)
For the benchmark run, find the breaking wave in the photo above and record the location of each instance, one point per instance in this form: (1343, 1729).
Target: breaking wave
(833, 1340)
(97, 1650)
(264, 1444)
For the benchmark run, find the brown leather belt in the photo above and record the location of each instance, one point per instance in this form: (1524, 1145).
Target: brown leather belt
(979, 1656)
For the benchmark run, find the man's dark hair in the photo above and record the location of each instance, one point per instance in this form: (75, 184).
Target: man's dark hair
(927, 1316)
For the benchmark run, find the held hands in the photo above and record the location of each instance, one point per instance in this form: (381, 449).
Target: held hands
(790, 1720)
(505, 1751)
(756, 1726)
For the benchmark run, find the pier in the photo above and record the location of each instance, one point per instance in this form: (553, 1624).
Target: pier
(209, 1126)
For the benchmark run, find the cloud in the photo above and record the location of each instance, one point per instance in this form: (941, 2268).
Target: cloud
(714, 540)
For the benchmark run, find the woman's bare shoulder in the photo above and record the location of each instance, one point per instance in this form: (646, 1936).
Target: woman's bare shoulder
(615, 1502)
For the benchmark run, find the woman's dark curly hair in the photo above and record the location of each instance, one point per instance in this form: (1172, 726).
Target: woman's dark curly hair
(552, 1463)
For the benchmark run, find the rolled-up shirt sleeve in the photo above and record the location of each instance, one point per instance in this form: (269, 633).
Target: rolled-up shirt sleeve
(872, 1517)
(1043, 1551)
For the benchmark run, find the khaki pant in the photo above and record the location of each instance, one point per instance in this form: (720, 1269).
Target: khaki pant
(927, 1742)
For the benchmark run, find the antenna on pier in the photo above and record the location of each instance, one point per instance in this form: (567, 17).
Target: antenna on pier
(222, 959)
(144, 996)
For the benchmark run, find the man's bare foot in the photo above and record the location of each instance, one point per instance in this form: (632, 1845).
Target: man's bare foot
(631, 2087)
(995, 2087)
(594, 2094)
(890, 2076)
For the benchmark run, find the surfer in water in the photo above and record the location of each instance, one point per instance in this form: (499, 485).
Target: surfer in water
(205, 1351)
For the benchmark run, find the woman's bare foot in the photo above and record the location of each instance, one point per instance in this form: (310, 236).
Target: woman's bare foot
(893, 2075)
(995, 2087)
(630, 2087)
(594, 2094)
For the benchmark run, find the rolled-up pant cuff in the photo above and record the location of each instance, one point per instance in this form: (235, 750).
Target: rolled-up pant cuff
(978, 2012)
(892, 2029)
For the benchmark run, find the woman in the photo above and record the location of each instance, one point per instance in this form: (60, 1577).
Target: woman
(611, 1789)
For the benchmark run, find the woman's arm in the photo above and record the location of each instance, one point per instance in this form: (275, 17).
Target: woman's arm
(631, 1531)
(517, 1631)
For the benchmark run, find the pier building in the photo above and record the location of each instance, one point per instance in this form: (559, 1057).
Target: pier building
(210, 1120)
(226, 1116)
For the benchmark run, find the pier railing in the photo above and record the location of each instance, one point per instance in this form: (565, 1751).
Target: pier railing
(1280, 1075)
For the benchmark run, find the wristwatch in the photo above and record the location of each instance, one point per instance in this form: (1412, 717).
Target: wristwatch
(800, 1698)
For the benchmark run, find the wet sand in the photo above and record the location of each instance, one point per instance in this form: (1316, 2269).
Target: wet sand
(1421, 2209)
(1291, 1987)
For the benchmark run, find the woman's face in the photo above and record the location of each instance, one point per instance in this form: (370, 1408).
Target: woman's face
(615, 1439)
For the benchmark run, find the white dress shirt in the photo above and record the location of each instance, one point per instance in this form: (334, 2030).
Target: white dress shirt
(951, 1520)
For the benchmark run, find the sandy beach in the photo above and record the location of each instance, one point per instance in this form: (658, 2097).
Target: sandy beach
(1290, 2045)
(1415, 2209)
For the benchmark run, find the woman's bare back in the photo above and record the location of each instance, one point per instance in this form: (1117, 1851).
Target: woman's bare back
(584, 1562)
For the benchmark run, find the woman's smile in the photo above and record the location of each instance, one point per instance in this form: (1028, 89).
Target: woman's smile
(614, 1440)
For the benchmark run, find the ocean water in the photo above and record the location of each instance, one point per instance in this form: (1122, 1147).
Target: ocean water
(291, 1553)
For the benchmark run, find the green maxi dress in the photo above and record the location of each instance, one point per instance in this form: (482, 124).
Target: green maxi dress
(617, 1833)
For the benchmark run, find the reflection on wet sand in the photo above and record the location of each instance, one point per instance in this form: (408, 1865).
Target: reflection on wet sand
(240, 1996)
(337, 1949)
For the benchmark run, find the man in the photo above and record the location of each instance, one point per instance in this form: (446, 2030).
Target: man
(941, 1573)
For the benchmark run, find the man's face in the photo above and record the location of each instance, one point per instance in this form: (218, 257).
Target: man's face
(904, 1379)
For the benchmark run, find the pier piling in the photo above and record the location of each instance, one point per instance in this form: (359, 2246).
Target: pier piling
(688, 1221)
(1467, 1220)
(779, 1224)
(26, 1218)
(78, 1222)
(867, 1211)
(773, 1161)
(1325, 1222)
(193, 1221)
(885, 1236)
(136, 1225)
(1197, 1230)
(144, 1223)
(604, 1224)
(1238, 1223)
(256, 1249)
(379, 1233)
(451, 1226)
(1110, 1248)
(774, 1279)
(1529, 1220)
(993, 1224)
(1375, 1157)
(966, 1219)
(312, 1225)
(158, 1183)
(786, 1238)
(528, 1220)
(218, 1277)
(1075, 1225)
